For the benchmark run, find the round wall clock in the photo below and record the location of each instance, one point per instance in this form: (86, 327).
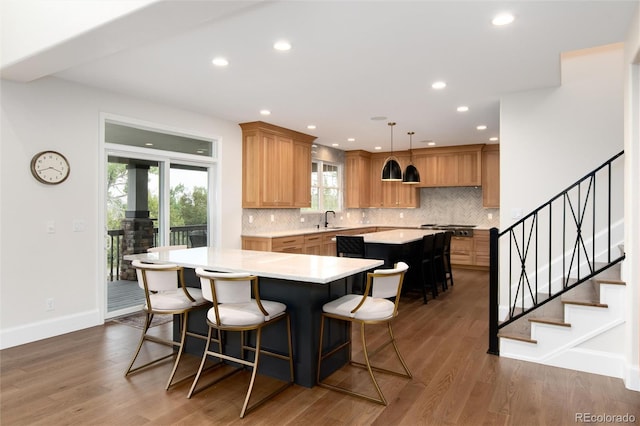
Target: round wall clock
(50, 167)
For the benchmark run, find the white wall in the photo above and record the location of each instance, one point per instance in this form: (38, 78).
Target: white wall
(631, 267)
(549, 138)
(55, 114)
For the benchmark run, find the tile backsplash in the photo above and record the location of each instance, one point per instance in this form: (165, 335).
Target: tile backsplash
(460, 205)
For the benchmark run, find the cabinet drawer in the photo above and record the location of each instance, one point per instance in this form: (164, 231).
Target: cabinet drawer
(292, 244)
(462, 251)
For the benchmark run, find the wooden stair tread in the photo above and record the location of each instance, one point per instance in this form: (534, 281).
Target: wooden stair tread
(517, 336)
(550, 321)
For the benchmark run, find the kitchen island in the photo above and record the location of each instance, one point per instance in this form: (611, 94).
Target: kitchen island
(303, 282)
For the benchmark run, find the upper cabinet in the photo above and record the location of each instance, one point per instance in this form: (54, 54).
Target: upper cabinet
(357, 176)
(449, 166)
(491, 176)
(364, 188)
(276, 166)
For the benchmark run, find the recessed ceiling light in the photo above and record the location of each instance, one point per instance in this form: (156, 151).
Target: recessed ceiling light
(265, 112)
(282, 45)
(481, 127)
(335, 144)
(220, 62)
(351, 139)
(502, 19)
(462, 108)
(439, 85)
(378, 148)
(493, 139)
(148, 144)
(378, 118)
(311, 126)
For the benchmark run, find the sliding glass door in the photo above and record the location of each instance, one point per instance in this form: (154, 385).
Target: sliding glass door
(154, 197)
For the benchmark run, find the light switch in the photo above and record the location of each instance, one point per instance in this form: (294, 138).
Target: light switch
(51, 227)
(78, 225)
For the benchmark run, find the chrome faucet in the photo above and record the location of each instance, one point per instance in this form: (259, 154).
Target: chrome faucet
(326, 221)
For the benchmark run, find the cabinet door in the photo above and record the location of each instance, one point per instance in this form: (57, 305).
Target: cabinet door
(447, 170)
(481, 247)
(358, 180)
(301, 174)
(251, 171)
(491, 177)
(277, 182)
(469, 169)
(462, 251)
(376, 184)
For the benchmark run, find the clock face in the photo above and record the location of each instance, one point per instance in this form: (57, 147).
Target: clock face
(50, 167)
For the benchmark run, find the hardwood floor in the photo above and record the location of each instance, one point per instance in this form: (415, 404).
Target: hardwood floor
(77, 379)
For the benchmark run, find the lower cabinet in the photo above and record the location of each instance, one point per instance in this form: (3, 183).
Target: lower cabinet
(320, 243)
(471, 251)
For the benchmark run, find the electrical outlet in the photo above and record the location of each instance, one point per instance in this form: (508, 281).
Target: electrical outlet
(489, 216)
(250, 218)
(49, 304)
(401, 215)
(273, 218)
(302, 219)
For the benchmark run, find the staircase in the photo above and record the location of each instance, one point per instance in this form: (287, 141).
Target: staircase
(556, 294)
(571, 330)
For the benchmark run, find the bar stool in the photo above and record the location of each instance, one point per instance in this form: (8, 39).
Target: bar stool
(448, 273)
(234, 310)
(438, 261)
(166, 293)
(428, 267)
(366, 310)
(352, 246)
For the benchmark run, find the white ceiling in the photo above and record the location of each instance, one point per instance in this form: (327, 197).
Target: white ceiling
(350, 61)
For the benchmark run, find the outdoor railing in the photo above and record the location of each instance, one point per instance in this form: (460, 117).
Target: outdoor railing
(189, 235)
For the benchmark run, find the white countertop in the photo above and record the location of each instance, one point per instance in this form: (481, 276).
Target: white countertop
(307, 231)
(286, 266)
(397, 236)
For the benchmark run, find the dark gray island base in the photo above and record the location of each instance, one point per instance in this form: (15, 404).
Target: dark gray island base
(304, 302)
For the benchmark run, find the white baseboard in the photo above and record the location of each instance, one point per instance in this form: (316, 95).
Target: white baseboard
(44, 329)
(632, 377)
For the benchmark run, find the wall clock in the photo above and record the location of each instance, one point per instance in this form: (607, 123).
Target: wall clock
(50, 167)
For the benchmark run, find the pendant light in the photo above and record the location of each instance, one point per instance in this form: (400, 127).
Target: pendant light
(411, 175)
(391, 170)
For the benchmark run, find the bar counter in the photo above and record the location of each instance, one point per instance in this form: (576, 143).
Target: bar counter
(303, 282)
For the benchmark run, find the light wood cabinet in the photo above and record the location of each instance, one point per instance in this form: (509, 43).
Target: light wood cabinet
(449, 166)
(319, 243)
(391, 194)
(276, 166)
(481, 247)
(313, 244)
(301, 174)
(358, 178)
(491, 176)
(462, 251)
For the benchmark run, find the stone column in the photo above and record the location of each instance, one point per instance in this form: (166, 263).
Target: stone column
(137, 226)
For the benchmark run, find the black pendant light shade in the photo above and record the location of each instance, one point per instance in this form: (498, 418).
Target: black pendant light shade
(391, 171)
(411, 175)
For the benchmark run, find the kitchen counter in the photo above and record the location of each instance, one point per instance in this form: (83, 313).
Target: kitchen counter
(302, 282)
(286, 266)
(310, 231)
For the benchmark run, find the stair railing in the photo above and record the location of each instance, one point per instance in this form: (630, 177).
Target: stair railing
(561, 244)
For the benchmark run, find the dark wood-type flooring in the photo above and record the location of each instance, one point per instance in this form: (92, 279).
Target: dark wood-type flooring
(77, 379)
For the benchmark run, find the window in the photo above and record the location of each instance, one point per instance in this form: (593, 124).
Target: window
(326, 186)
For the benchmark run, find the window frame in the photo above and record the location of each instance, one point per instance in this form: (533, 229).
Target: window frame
(320, 186)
